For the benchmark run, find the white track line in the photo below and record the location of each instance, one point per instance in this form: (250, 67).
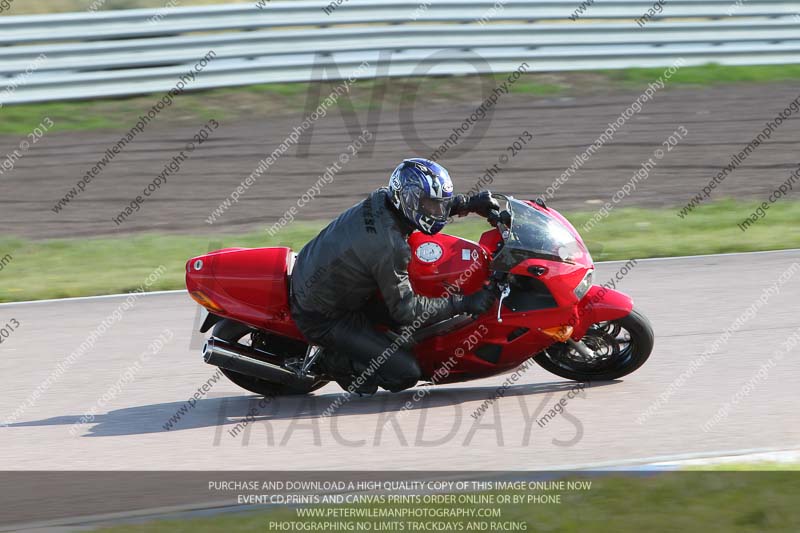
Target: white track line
(702, 256)
(85, 298)
(779, 457)
(645, 463)
(177, 291)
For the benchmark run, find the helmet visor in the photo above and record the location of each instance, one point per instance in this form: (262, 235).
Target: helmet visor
(436, 208)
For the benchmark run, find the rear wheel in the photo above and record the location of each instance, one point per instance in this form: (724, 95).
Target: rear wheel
(238, 333)
(620, 347)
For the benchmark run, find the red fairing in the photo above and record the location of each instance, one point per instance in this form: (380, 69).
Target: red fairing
(599, 305)
(249, 285)
(490, 240)
(441, 261)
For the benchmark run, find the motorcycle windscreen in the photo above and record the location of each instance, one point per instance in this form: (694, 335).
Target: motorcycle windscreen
(534, 234)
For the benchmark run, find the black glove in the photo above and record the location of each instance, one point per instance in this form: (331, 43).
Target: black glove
(475, 304)
(499, 216)
(481, 203)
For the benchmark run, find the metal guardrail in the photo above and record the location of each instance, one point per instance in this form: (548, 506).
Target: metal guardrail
(120, 53)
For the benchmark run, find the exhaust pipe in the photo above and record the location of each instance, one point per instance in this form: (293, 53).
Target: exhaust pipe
(247, 361)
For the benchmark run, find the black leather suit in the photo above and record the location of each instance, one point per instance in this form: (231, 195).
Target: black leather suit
(362, 252)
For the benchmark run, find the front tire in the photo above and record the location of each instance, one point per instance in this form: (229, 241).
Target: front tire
(233, 332)
(622, 345)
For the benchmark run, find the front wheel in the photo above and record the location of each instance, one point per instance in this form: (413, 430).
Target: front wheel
(238, 333)
(620, 347)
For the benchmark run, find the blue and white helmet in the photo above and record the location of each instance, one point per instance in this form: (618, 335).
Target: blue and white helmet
(423, 192)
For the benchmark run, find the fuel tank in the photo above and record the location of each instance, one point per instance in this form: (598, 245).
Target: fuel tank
(442, 263)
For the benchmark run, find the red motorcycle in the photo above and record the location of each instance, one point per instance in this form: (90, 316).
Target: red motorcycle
(547, 309)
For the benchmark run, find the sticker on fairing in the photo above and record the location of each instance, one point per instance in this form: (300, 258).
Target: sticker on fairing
(429, 252)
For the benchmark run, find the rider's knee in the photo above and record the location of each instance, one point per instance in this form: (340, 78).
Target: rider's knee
(404, 375)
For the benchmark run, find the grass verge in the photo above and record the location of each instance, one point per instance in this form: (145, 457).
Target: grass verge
(34, 270)
(259, 101)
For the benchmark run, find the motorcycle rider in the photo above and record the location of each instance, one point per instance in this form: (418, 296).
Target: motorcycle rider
(363, 252)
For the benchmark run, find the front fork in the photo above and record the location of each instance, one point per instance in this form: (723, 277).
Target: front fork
(598, 305)
(581, 348)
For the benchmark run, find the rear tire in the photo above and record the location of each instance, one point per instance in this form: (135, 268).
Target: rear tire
(232, 331)
(619, 360)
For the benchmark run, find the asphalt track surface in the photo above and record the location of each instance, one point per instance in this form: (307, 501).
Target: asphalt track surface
(690, 302)
(720, 122)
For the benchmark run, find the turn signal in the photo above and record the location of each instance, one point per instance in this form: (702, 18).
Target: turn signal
(559, 333)
(205, 301)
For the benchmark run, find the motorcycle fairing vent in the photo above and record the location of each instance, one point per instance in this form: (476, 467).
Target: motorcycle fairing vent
(490, 353)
